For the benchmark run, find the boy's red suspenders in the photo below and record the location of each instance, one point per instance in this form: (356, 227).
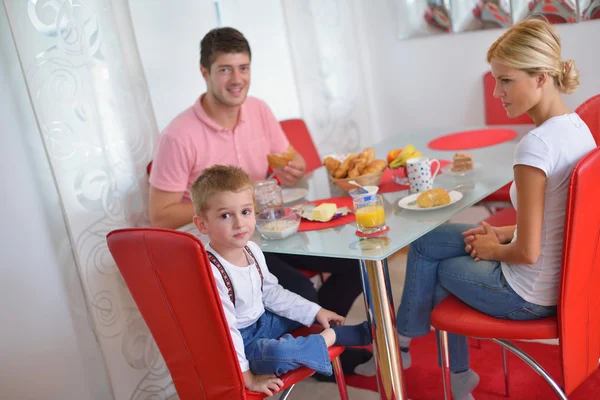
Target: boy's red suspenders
(215, 261)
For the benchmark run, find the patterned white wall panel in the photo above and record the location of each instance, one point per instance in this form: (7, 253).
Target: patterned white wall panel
(91, 102)
(329, 74)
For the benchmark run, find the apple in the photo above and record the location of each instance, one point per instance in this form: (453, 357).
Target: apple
(392, 155)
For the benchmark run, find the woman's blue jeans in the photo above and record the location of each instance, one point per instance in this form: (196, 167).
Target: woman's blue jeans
(438, 265)
(268, 352)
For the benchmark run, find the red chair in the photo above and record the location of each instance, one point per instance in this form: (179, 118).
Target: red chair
(170, 279)
(589, 112)
(505, 217)
(299, 137)
(577, 325)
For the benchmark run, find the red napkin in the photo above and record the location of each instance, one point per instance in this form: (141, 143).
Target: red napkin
(472, 139)
(388, 185)
(306, 225)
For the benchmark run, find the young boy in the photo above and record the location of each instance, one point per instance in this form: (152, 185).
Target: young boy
(258, 310)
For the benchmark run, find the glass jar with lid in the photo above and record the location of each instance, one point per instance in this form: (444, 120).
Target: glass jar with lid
(268, 197)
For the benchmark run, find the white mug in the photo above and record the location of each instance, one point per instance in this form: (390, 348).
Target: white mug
(419, 173)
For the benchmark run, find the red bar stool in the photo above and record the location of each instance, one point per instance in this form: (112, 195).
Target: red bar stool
(577, 325)
(171, 281)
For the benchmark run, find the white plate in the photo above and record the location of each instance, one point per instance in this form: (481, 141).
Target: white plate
(448, 170)
(403, 203)
(293, 194)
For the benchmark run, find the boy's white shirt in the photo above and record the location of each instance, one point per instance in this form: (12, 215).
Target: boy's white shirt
(251, 302)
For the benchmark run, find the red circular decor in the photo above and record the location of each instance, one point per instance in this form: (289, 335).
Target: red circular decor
(472, 139)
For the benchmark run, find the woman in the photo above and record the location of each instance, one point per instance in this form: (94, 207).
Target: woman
(494, 270)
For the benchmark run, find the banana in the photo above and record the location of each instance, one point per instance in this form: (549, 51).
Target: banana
(407, 153)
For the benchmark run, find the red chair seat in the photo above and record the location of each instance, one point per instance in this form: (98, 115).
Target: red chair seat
(505, 217)
(470, 322)
(500, 195)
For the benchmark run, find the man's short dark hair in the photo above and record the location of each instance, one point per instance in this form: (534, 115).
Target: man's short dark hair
(222, 41)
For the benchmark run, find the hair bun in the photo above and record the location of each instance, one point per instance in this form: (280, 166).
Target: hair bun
(568, 79)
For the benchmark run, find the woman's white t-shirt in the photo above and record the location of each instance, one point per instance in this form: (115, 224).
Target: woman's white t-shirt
(555, 147)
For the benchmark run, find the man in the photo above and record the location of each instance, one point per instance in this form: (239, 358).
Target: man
(224, 126)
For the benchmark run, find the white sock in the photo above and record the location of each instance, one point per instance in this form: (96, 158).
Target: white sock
(463, 384)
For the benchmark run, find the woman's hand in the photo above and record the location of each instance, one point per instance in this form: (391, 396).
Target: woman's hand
(482, 243)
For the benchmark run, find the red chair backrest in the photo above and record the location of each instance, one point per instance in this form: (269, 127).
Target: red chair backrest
(579, 300)
(300, 139)
(170, 279)
(589, 112)
(495, 114)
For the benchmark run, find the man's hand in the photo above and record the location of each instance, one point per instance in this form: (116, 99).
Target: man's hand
(483, 246)
(267, 384)
(327, 318)
(292, 173)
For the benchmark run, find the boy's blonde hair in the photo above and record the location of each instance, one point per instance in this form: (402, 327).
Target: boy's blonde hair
(217, 179)
(533, 46)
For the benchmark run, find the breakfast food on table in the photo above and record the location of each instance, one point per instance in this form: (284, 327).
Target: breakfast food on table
(279, 161)
(324, 212)
(354, 165)
(433, 198)
(397, 158)
(331, 164)
(462, 162)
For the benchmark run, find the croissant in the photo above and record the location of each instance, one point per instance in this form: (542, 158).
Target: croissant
(279, 161)
(374, 166)
(357, 170)
(433, 198)
(331, 164)
(344, 167)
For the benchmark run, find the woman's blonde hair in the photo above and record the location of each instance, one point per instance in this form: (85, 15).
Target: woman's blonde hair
(533, 46)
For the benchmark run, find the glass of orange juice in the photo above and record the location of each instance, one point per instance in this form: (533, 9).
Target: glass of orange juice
(369, 212)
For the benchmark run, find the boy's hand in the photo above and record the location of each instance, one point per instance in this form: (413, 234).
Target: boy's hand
(325, 317)
(267, 384)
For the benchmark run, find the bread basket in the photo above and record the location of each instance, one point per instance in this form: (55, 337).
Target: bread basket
(364, 180)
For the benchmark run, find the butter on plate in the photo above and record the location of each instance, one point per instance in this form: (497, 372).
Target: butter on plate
(322, 213)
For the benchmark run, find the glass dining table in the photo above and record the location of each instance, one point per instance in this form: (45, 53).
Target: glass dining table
(493, 170)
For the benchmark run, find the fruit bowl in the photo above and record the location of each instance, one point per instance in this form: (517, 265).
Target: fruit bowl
(400, 175)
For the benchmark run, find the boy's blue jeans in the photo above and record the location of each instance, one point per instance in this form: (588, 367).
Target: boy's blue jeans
(271, 353)
(438, 265)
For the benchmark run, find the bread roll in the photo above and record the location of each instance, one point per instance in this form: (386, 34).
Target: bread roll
(433, 198)
(279, 161)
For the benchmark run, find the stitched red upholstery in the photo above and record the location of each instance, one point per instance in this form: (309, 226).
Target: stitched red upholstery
(300, 139)
(171, 281)
(589, 111)
(495, 114)
(578, 322)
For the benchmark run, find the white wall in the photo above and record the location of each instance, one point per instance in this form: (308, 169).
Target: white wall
(47, 348)
(169, 44)
(436, 82)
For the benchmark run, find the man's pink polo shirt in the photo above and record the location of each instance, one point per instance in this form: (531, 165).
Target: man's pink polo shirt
(193, 142)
